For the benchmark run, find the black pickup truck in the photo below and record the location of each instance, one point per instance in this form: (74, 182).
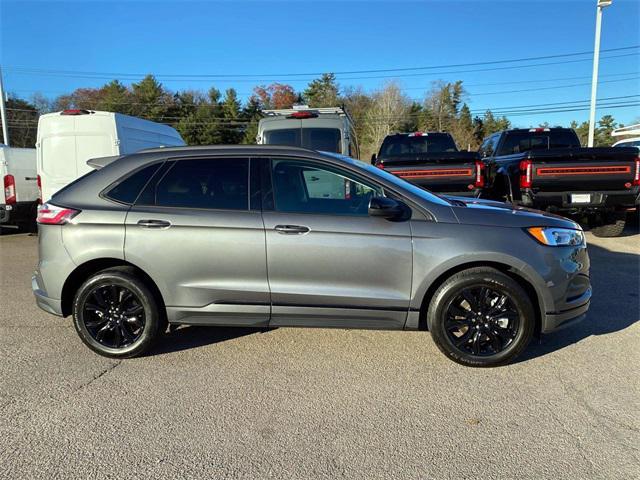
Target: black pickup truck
(431, 160)
(547, 169)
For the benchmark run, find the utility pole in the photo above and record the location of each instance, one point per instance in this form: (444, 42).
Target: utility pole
(601, 4)
(3, 113)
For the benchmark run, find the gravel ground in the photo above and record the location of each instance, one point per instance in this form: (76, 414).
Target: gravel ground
(315, 403)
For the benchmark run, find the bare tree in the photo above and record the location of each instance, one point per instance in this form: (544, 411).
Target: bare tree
(387, 112)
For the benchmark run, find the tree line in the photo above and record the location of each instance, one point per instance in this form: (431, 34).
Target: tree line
(212, 117)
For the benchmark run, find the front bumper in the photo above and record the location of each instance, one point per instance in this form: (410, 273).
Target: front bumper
(49, 305)
(559, 320)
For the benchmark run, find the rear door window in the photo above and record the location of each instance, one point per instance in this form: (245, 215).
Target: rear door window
(216, 183)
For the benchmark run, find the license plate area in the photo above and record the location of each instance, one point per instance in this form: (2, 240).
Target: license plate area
(580, 198)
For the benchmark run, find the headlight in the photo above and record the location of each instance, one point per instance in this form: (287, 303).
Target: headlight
(557, 237)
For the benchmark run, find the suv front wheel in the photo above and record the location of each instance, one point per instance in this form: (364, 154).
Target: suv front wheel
(116, 315)
(481, 317)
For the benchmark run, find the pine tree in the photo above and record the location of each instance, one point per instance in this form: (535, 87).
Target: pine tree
(323, 92)
(151, 101)
(231, 130)
(251, 114)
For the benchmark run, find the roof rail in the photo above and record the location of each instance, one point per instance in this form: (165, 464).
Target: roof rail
(302, 108)
(628, 130)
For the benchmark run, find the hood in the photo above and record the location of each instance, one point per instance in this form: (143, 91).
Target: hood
(476, 211)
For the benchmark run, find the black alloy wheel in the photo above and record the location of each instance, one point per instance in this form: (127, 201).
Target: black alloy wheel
(117, 314)
(481, 317)
(114, 316)
(481, 321)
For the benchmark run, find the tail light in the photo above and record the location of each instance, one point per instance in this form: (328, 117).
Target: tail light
(39, 181)
(636, 175)
(303, 114)
(380, 164)
(479, 169)
(53, 215)
(75, 111)
(9, 189)
(526, 171)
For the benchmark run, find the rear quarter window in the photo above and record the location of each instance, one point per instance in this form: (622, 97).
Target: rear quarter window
(128, 189)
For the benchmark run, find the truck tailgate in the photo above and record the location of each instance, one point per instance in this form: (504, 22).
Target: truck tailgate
(450, 172)
(583, 169)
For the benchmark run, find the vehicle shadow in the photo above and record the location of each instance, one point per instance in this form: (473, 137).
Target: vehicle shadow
(187, 337)
(615, 305)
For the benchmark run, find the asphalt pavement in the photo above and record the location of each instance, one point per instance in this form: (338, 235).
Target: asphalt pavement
(320, 403)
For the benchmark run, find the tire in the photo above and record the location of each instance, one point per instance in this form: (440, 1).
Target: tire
(613, 227)
(122, 336)
(511, 330)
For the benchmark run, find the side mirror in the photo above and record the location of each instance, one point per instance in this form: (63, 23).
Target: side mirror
(373, 159)
(386, 208)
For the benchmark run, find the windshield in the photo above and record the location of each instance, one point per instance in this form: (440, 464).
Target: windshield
(419, 192)
(399, 145)
(326, 139)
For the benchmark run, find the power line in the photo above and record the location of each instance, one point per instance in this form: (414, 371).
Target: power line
(553, 88)
(239, 124)
(274, 77)
(348, 72)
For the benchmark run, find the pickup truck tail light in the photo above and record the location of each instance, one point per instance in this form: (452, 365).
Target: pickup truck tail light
(380, 164)
(526, 173)
(636, 174)
(9, 190)
(479, 174)
(39, 181)
(53, 215)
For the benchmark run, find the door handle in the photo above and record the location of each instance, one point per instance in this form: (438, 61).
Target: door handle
(154, 223)
(291, 229)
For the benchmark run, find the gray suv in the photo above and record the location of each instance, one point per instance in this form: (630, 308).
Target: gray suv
(267, 236)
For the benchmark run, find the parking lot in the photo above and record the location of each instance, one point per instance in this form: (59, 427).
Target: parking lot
(304, 403)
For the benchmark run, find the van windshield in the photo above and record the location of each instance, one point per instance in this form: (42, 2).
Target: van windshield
(325, 139)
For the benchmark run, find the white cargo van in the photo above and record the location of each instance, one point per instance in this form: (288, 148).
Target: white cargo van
(66, 140)
(325, 129)
(18, 204)
(632, 134)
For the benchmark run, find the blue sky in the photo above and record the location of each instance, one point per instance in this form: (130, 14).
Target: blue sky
(273, 38)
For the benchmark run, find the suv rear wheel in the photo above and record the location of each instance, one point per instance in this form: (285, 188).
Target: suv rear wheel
(116, 314)
(481, 317)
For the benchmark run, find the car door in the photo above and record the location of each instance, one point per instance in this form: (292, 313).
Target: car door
(329, 262)
(194, 231)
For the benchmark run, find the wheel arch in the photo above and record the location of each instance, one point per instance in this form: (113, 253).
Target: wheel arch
(510, 270)
(83, 271)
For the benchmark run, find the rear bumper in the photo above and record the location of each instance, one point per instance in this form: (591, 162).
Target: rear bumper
(5, 213)
(49, 305)
(600, 200)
